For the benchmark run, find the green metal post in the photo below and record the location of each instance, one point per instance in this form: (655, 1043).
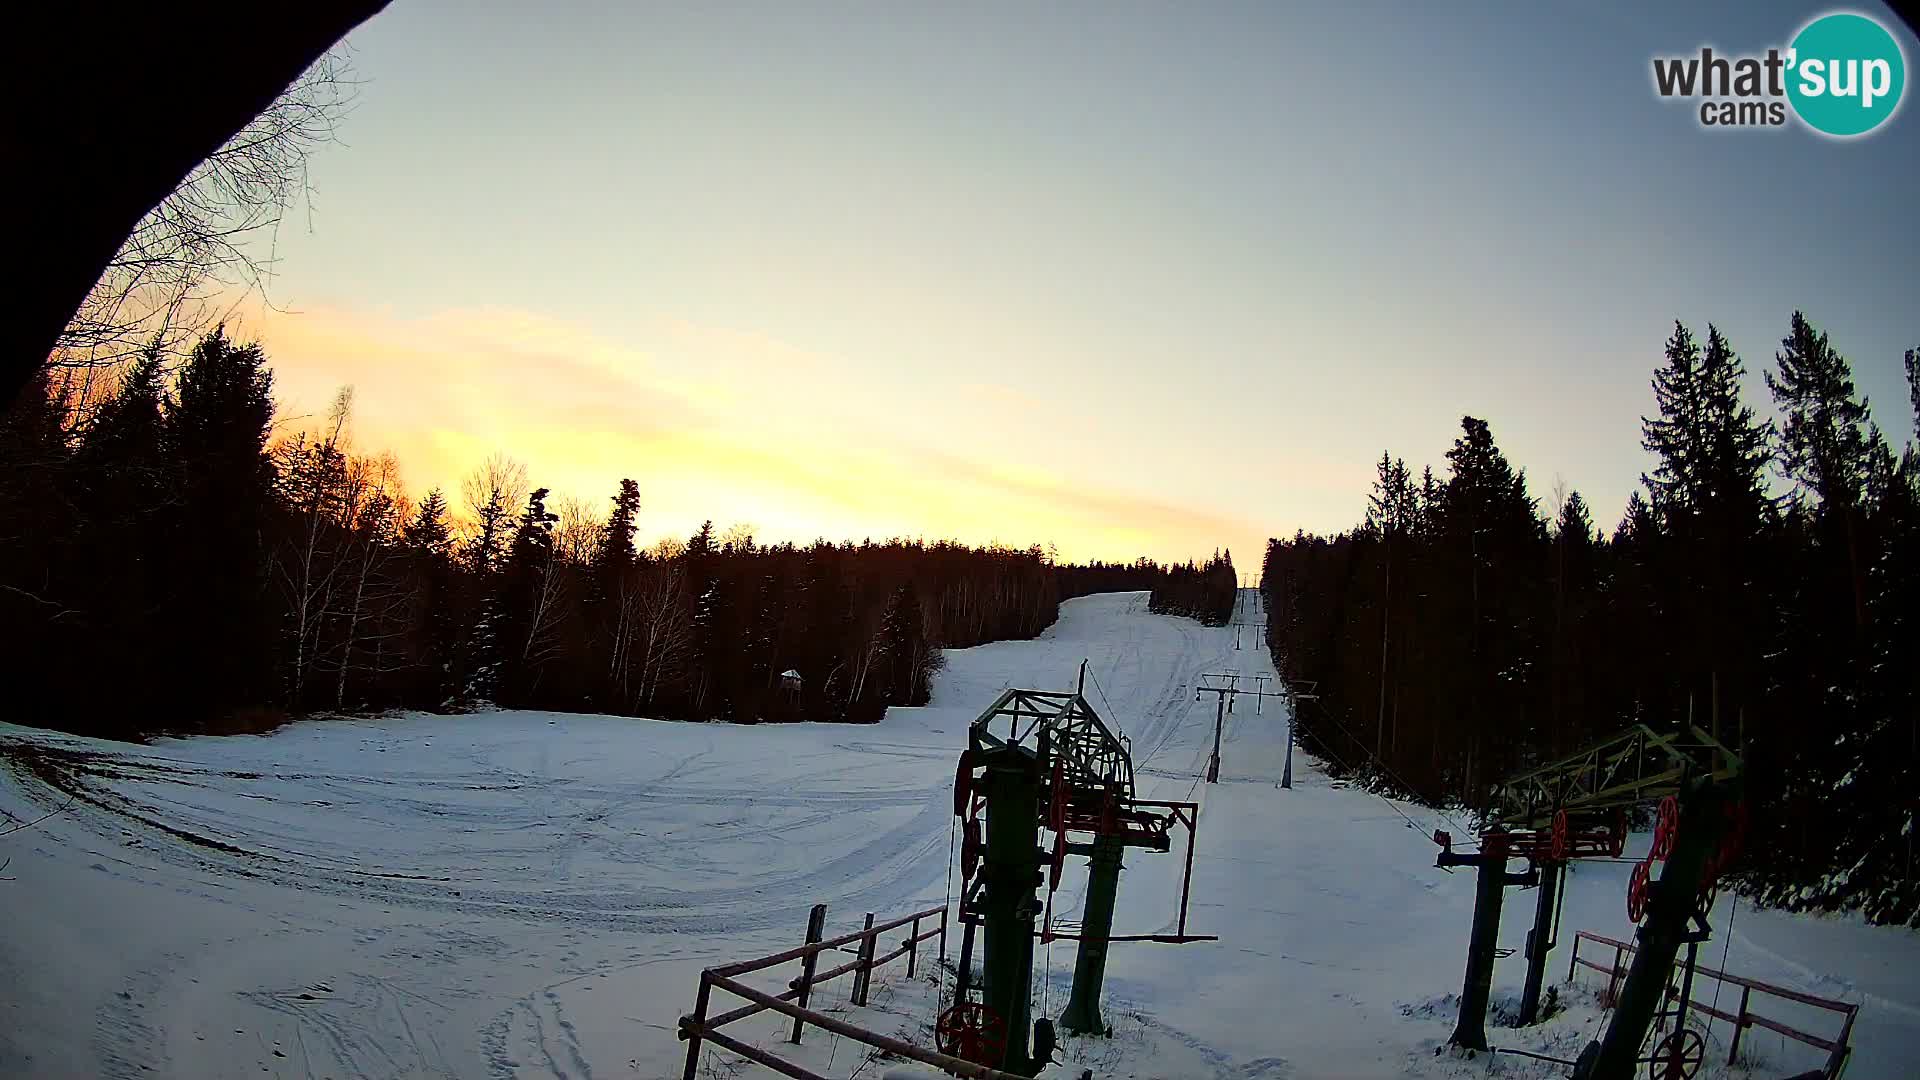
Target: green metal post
(1669, 908)
(1008, 906)
(1082, 1015)
(1540, 940)
(1471, 1029)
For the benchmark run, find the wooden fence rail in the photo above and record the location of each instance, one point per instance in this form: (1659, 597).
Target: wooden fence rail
(1837, 1048)
(698, 1027)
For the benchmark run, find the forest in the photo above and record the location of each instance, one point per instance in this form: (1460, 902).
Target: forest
(170, 562)
(1205, 592)
(1763, 583)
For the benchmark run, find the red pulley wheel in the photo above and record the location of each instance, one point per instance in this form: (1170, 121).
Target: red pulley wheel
(1678, 1056)
(1637, 892)
(1666, 827)
(971, 1031)
(1058, 861)
(1559, 848)
(970, 849)
(1617, 840)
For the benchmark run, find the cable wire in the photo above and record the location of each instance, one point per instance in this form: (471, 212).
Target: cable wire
(1450, 819)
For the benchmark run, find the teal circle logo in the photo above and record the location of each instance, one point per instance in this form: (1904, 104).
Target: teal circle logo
(1845, 74)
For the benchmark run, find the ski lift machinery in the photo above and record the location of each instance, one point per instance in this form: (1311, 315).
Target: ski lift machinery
(1044, 761)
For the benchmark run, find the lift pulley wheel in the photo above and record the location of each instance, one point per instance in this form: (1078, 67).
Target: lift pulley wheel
(1559, 849)
(1617, 841)
(970, 848)
(973, 1032)
(1666, 827)
(1678, 1056)
(1637, 892)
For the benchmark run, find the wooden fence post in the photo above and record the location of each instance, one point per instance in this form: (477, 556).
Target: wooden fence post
(816, 927)
(700, 1023)
(913, 945)
(1838, 1059)
(864, 972)
(1740, 1025)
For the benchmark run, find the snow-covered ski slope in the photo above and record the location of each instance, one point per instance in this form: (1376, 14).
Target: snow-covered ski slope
(527, 894)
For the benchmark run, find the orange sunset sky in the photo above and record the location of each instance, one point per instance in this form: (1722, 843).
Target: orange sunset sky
(1124, 279)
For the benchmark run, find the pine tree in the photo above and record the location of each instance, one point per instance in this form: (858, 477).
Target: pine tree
(1823, 435)
(427, 531)
(616, 552)
(44, 597)
(532, 587)
(1674, 438)
(216, 434)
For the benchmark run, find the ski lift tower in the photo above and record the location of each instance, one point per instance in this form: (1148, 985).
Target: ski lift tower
(1225, 686)
(1044, 759)
(1576, 807)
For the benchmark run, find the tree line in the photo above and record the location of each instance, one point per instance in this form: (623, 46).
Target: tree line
(1763, 583)
(1205, 592)
(167, 562)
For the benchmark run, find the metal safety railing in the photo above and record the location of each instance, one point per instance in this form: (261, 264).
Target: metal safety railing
(1837, 1048)
(698, 1027)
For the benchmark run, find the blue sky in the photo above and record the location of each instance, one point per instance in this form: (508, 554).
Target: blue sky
(1124, 277)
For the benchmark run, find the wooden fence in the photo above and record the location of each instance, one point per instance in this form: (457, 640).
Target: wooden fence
(698, 1027)
(1742, 1018)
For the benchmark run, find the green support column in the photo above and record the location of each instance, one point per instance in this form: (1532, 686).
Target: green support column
(1008, 907)
(1540, 940)
(1082, 1015)
(1471, 1029)
(1669, 908)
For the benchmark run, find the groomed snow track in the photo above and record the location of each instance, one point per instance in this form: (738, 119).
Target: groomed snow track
(529, 894)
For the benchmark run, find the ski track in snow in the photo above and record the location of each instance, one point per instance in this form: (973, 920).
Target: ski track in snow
(533, 895)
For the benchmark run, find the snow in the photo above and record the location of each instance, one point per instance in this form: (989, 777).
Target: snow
(528, 894)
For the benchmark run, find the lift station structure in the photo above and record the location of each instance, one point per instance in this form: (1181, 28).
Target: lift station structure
(1577, 808)
(1043, 762)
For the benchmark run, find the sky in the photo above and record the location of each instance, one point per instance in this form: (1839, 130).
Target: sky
(1124, 278)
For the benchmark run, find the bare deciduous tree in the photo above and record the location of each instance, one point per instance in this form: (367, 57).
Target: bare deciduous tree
(370, 594)
(209, 243)
(653, 603)
(738, 537)
(311, 472)
(493, 492)
(580, 531)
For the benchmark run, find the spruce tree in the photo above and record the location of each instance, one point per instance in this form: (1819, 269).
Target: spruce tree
(1674, 437)
(1823, 432)
(215, 432)
(426, 532)
(616, 552)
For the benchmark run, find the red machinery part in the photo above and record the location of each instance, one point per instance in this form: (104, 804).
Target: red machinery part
(1666, 827)
(1736, 834)
(970, 849)
(962, 783)
(1057, 862)
(1617, 839)
(1559, 849)
(972, 1031)
(1057, 811)
(1637, 891)
(1678, 1056)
